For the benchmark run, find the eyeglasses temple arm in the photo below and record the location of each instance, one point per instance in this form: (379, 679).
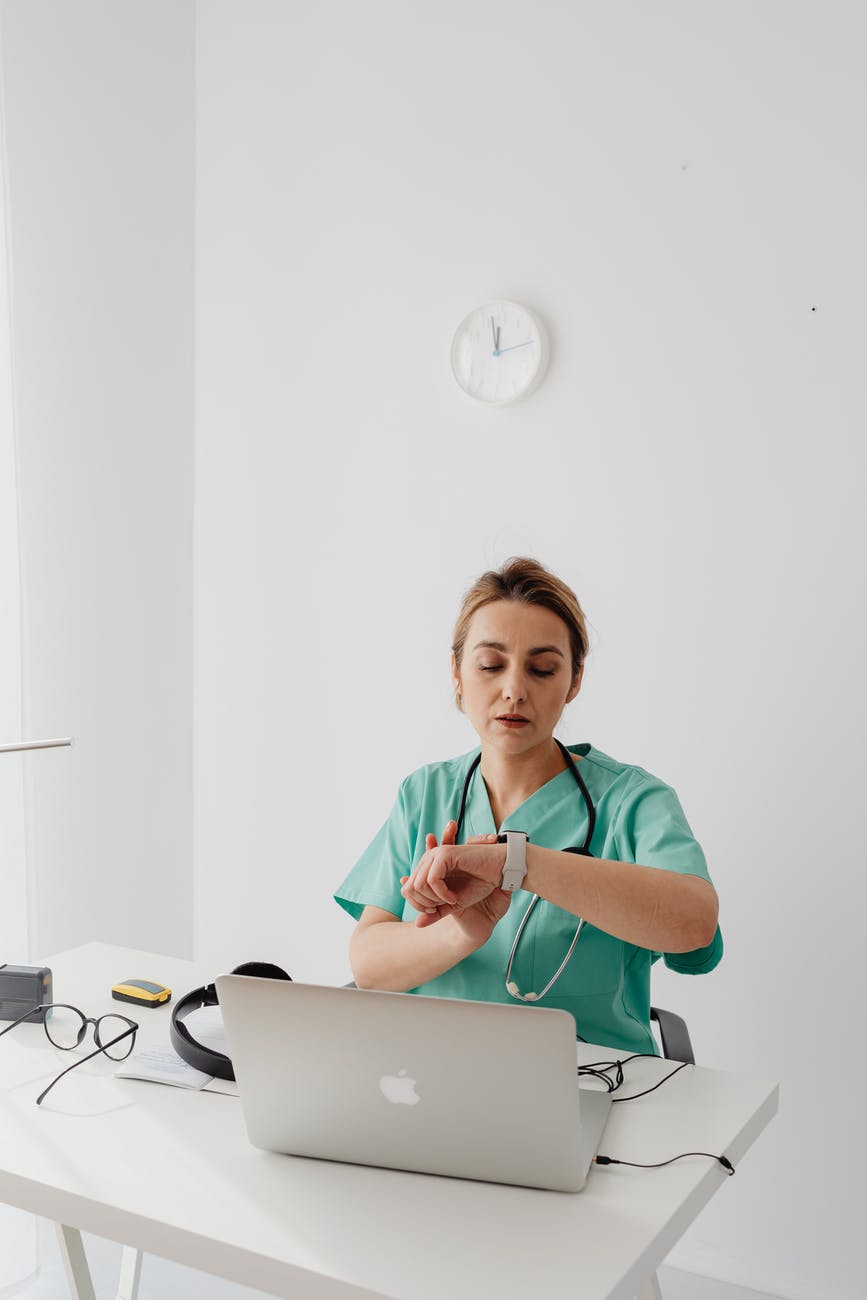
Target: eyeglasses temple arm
(99, 1051)
(43, 1006)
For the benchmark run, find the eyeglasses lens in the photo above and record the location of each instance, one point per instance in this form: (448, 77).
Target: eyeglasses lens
(110, 1027)
(63, 1026)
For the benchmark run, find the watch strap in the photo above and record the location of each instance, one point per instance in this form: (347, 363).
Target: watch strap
(515, 866)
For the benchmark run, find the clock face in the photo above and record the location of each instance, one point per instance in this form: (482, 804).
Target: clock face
(499, 352)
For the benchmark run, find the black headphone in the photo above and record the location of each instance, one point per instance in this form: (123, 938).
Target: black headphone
(205, 1058)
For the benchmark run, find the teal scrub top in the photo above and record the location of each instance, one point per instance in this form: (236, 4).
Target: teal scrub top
(606, 984)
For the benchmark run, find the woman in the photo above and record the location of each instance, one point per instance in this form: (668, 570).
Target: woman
(619, 877)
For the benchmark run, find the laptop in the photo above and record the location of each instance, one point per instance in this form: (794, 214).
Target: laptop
(433, 1085)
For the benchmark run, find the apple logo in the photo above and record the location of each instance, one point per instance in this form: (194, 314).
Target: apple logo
(399, 1088)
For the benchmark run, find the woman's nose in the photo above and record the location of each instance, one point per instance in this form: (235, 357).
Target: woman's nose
(514, 687)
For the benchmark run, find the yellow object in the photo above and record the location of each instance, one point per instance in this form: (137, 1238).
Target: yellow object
(142, 992)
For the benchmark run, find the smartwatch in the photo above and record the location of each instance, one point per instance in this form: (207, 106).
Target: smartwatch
(515, 868)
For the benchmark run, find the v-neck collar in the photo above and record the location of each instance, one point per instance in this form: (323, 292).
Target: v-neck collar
(479, 818)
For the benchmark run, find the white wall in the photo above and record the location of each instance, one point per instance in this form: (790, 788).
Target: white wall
(678, 189)
(13, 913)
(99, 107)
(17, 1231)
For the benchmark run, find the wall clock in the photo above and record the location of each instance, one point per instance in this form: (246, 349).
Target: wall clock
(499, 352)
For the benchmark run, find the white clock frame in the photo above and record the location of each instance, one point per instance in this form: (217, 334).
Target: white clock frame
(500, 352)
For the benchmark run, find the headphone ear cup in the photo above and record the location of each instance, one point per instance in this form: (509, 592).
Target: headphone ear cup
(264, 969)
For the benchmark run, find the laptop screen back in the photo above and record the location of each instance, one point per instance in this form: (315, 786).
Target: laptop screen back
(467, 1089)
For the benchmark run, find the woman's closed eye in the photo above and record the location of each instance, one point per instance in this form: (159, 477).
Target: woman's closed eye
(537, 672)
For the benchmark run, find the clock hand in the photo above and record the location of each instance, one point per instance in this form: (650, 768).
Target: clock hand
(512, 346)
(495, 331)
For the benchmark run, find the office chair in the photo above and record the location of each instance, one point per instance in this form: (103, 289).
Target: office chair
(673, 1036)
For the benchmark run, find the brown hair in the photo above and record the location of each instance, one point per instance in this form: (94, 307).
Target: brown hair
(530, 583)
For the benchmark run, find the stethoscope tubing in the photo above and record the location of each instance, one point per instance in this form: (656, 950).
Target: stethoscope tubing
(584, 850)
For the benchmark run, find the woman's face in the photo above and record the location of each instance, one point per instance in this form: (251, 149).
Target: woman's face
(516, 675)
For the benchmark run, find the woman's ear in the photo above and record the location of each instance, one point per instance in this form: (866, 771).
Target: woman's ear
(576, 685)
(456, 683)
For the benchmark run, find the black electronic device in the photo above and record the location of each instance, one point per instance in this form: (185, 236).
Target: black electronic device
(22, 987)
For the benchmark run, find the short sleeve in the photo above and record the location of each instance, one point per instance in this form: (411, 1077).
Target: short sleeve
(374, 881)
(699, 961)
(653, 830)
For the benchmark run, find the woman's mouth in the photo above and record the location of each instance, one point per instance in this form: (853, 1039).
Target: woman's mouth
(512, 720)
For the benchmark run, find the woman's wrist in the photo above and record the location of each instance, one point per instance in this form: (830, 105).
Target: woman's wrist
(460, 941)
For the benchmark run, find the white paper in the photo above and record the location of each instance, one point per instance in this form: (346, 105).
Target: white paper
(162, 1065)
(205, 1025)
(227, 1086)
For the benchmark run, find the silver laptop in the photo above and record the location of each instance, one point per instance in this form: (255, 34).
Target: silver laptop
(434, 1085)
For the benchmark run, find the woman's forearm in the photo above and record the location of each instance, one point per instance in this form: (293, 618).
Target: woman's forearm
(396, 955)
(652, 908)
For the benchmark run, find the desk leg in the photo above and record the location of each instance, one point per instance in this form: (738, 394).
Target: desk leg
(130, 1272)
(650, 1290)
(75, 1263)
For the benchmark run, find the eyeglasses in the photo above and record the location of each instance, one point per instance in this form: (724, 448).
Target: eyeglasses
(66, 1026)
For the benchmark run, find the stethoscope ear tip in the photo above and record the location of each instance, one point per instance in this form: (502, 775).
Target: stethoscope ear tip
(512, 988)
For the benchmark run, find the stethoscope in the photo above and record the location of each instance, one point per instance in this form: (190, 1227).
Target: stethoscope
(584, 849)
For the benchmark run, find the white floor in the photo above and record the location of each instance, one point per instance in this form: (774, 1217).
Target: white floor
(677, 1285)
(161, 1280)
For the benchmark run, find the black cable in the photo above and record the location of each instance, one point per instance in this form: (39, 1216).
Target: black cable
(633, 1096)
(599, 1070)
(602, 1070)
(724, 1161)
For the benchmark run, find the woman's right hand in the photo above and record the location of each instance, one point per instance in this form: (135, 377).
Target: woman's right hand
(476, 921)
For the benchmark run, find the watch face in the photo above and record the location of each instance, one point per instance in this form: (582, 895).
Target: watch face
(499, 352)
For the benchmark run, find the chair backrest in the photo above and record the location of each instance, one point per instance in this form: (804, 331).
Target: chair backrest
(673, 1035)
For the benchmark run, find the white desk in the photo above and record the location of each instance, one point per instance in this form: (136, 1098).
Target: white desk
(172, 1172)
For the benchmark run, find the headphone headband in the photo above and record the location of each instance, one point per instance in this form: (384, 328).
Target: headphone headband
(196, 1054)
